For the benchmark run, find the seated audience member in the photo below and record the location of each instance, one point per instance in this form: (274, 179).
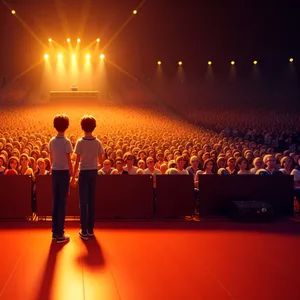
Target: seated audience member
(223, 171)
(194, 167)
(160, 160)
(24, 166)
(172, 171)
(47, 164)
(2, 164)
(221, 162)
(32, 164)
(249, 156)
(180, 162)
(208, 167)
(41, 167)
(286, 165)
(231, 166)
(262, 172)
(151, 170)
(119, 170)
(296, 173)
(163, 168)
(141, 167)
(258, 164)
(142, 155)
(171, 168)
(12, 166)
(242, 166)
(106, 169)
(15, 152)
(278, 157)
(270, 162)
(129, 160)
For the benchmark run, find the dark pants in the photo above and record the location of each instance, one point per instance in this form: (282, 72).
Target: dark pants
(87, 191)
(60, 188)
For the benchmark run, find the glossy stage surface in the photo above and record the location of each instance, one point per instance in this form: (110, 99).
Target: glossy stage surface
(152, 260)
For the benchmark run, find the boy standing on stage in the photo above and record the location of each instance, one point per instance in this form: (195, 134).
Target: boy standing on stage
(60, 155)
(90, 153)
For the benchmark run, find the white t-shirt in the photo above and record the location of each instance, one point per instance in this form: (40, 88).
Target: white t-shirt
(59, 146)
(89, 149)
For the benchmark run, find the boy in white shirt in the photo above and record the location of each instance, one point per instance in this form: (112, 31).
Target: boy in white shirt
(89, 152)
(60, 155)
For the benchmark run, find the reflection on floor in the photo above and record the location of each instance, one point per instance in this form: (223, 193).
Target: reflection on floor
(145, 261)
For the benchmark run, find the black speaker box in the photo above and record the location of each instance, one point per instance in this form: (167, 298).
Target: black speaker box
(251, 211)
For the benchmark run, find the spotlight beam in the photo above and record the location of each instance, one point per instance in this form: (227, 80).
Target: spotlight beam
(121, 70)
(123, 26)
(28, 70)
(59, 45)
(89, 46)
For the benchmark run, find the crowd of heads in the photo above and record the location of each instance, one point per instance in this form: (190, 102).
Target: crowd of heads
(145, 141)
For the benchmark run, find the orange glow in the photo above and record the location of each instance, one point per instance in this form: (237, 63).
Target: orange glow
(159, 62)
(102, 56)
(50, 40)
(291, 60)
(68, 40)
(59, 56)
(78, 40)
(134, 12)
(46, 56)
(255, 62)
(209, 63)
(88, 56)
(232, 62)
(180, 63)
(98, 40)
(13, 12)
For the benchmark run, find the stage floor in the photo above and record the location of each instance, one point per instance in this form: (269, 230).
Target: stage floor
(152, 261)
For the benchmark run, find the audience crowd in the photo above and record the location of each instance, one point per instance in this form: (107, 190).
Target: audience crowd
(146, 141)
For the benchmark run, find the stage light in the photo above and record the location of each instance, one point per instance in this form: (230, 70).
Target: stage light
(134, 12)
(232, 62)
(102, 56)
(59, 56)
(255, 62)
(88, 56)
(209, 63)
(78, 40)
(46, 56)
(98, 40)
(159, 62)
(50, 40)
(68, 40)
(13, 12)
(180, 63)
(291, 60)
(73, 56)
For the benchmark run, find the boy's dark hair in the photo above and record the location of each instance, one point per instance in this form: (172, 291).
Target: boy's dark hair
(88, 123)
(61, 122)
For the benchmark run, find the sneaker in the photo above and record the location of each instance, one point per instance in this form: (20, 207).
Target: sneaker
(90, 234)
(83, 235)
(54, 237)
(63, 239)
